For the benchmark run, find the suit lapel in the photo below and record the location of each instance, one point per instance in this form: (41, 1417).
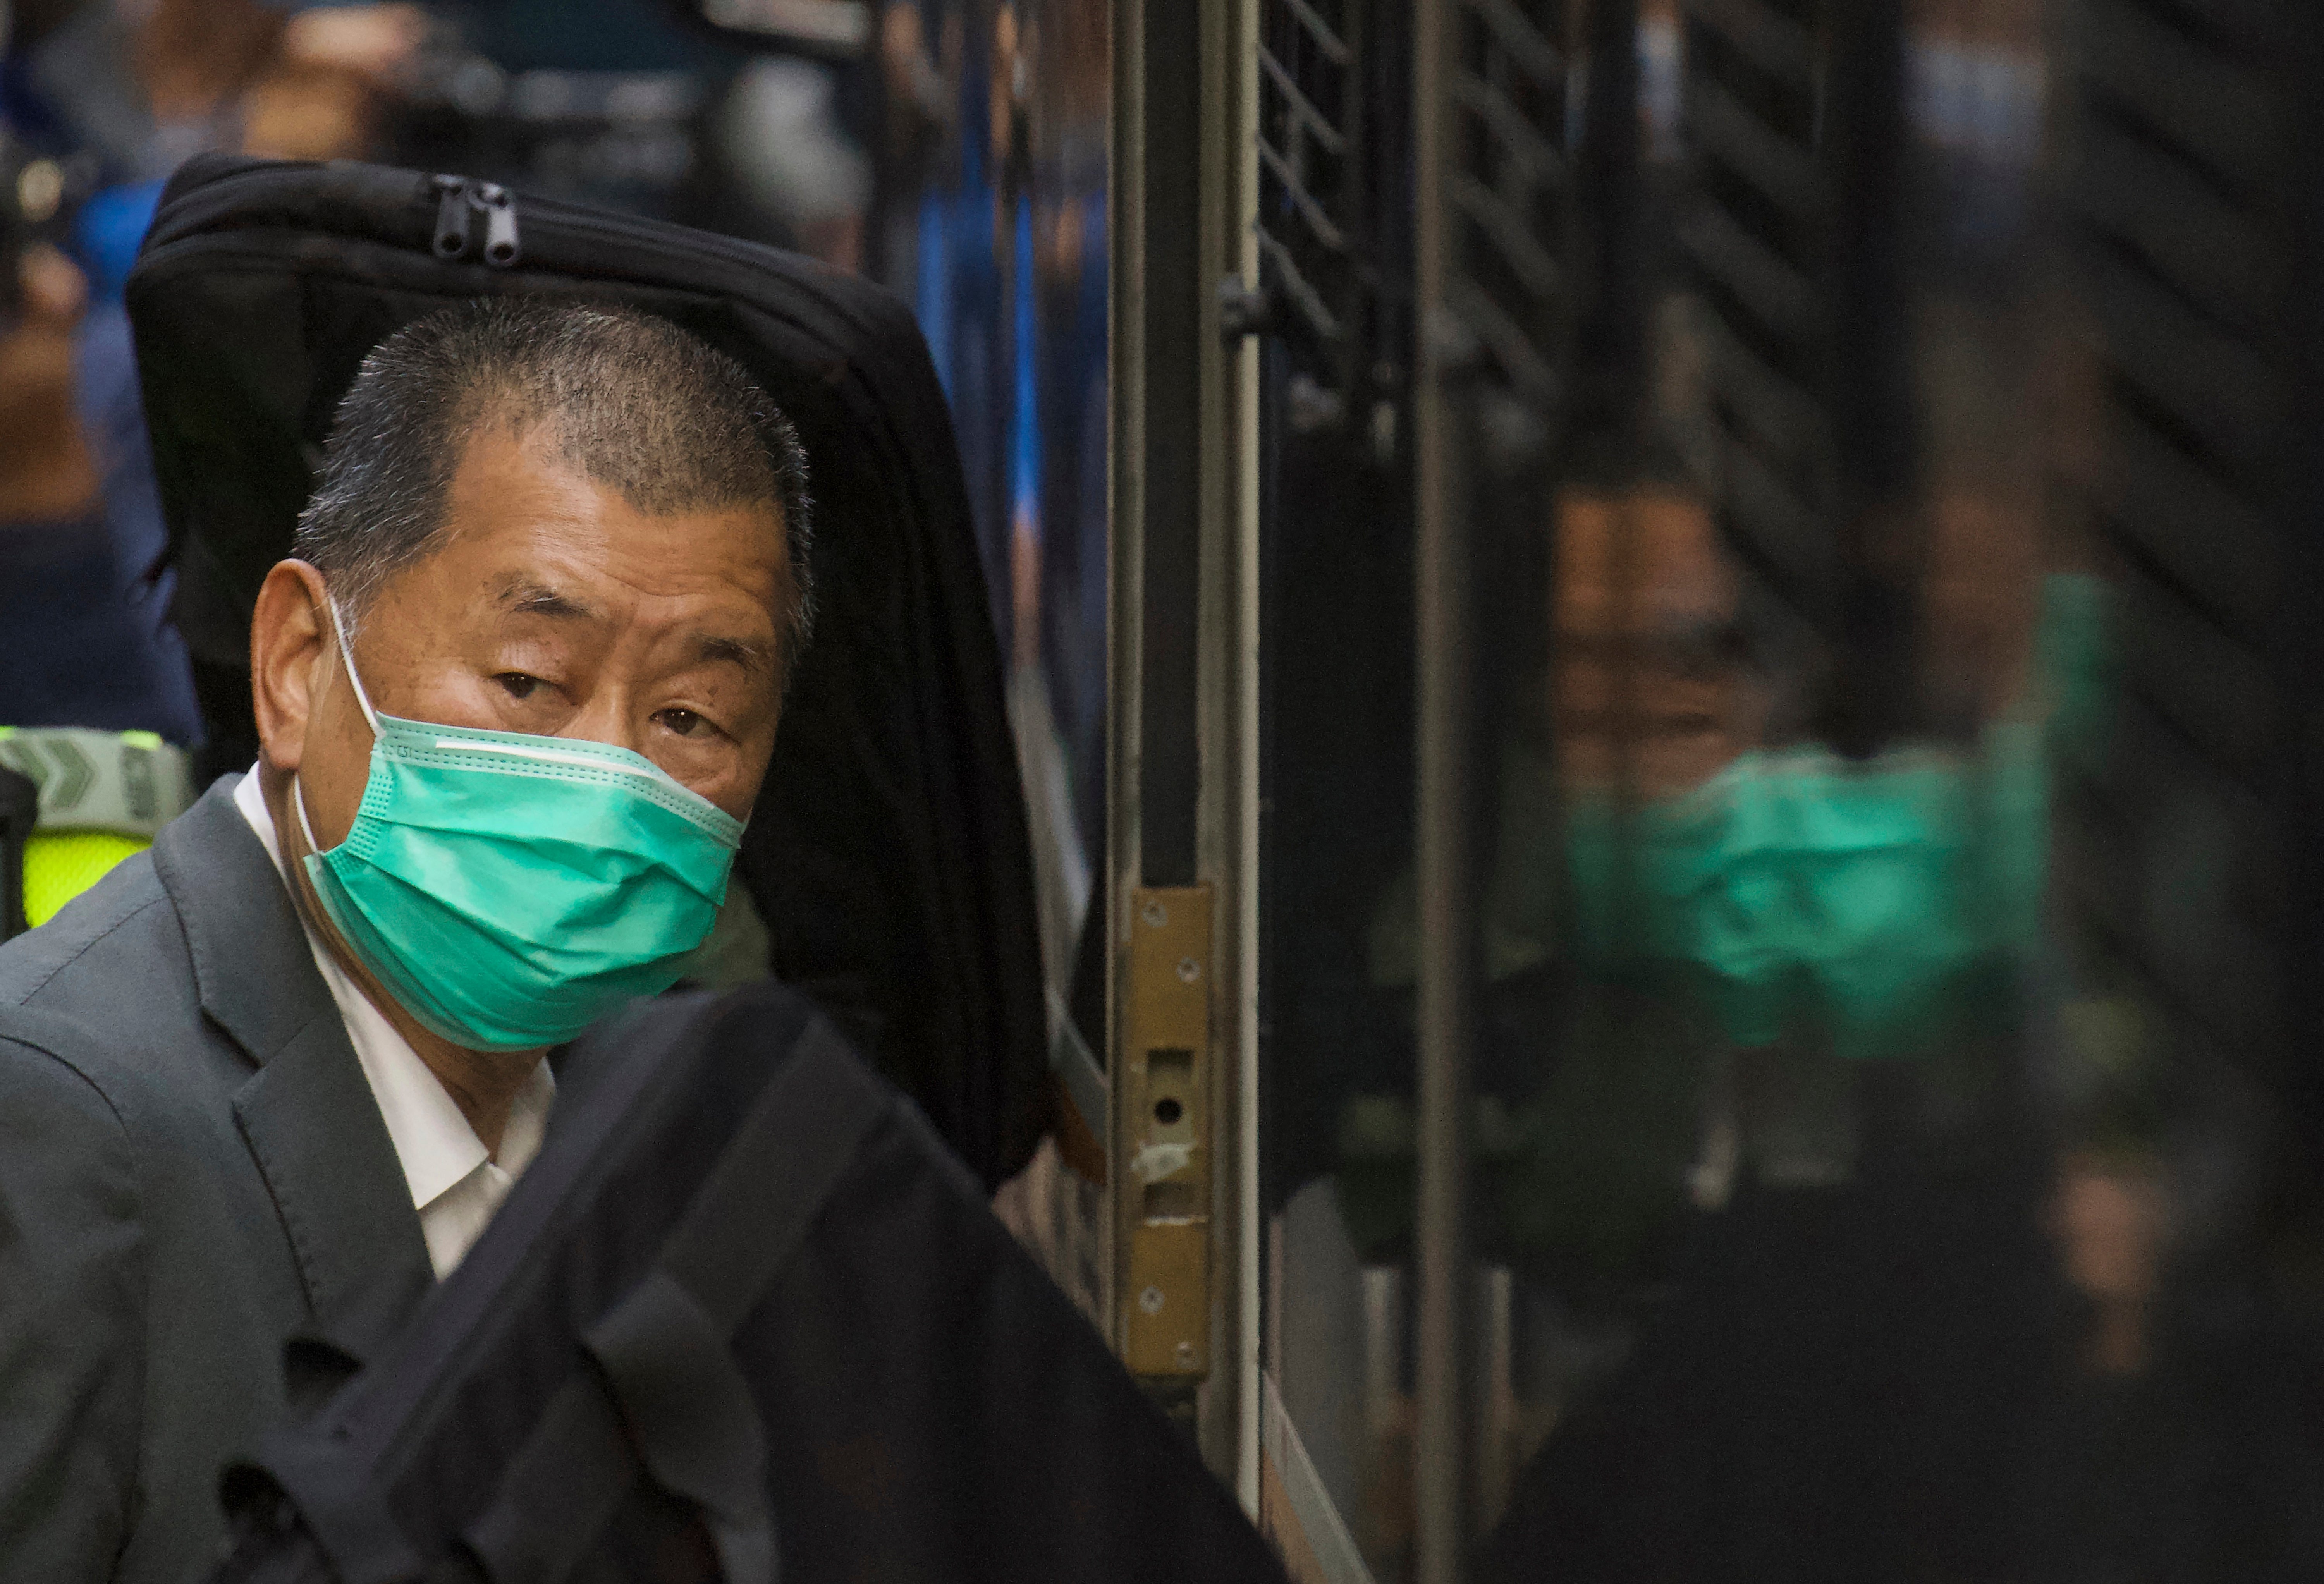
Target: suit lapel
(308, 1113)
(315, 1130)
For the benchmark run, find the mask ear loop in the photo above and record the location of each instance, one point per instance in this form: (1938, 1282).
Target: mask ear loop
(346, 658)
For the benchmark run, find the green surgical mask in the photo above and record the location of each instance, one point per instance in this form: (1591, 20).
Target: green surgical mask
(1868, 890)
(508, 890)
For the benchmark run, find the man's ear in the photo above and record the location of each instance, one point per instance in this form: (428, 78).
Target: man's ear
(290, 644)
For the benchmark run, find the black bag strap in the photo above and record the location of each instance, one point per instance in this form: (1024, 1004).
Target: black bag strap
(768, 1188)
(337, 1502)
(666, 1395)
(688, 1409)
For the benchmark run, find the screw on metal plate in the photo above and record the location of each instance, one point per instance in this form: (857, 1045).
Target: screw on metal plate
(1189, 970)
(1150, 1300)
(1186, 1354)
(1155, 914)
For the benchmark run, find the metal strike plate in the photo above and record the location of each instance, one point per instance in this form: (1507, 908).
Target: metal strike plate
(1162, 1135)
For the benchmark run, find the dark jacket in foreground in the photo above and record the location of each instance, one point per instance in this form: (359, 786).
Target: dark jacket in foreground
(192, 1168)
(744, 1311)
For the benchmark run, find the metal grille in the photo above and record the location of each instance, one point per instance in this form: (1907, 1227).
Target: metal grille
(2181, 188)
(1312, 177)
(1752, 236)
(1506, 188)
(1795, 239)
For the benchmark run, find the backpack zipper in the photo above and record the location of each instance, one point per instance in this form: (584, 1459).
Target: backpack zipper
(502, 248)
(451, 215)
(235, 188)
(458, 201)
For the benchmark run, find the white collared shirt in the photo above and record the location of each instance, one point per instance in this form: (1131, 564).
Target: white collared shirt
(456, 1182)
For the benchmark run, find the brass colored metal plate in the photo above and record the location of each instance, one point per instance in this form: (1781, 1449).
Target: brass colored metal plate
(1166, 1302)
(1169, 967)
(1162, 1148)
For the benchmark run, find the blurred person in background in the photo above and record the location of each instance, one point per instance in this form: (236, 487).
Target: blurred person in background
(122, 94)
(621, 103)
(118, 94)
(145, 85)
(133, 90)
(142, 86)
(83, 637)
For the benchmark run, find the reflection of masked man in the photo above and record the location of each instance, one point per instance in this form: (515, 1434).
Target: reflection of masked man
(1798, 887)
(1714, 893)
(1872, 899)
(1790, 884)
(516, 698)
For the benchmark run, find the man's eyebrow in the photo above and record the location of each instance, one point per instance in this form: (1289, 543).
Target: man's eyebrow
(537, 599)
(752, 656)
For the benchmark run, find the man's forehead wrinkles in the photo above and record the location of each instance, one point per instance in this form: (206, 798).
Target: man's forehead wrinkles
(529, 594)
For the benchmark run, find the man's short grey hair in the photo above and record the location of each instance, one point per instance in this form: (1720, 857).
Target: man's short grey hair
(631, 401)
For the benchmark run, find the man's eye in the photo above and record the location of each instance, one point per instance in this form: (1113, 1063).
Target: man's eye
(683, 722)
(518, 684)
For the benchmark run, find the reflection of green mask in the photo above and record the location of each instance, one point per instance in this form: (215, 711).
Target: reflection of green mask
(507, 890)
(1793, 881)
(1868, 892)
(1793, 876)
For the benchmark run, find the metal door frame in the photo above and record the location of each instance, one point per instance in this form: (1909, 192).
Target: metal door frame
(1182, 784)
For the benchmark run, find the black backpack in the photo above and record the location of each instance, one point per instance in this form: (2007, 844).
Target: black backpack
(743, 1318)
(887, 854)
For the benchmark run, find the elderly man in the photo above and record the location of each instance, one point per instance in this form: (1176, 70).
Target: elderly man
(516, 693)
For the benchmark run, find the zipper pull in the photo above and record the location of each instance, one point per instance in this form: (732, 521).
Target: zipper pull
(451, 215)
(501, 244)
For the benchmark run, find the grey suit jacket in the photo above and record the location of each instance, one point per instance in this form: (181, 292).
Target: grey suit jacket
(192, 1169)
